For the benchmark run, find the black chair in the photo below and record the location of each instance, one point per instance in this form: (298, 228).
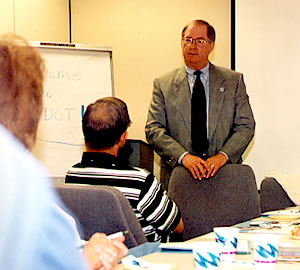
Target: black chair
(273, 196)
(101, 209)
(228, 198)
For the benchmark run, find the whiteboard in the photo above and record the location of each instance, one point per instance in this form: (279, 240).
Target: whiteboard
(76, 75)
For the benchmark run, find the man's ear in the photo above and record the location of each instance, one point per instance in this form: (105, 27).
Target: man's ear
(123, 138)
(211, 46)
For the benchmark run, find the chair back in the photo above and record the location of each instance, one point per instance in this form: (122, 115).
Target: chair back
(101, 209)
(273, 196)
(228, 198)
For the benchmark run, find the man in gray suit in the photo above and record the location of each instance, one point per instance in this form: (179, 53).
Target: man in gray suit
(229, 122)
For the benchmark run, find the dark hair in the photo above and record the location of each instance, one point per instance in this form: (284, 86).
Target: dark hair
(21, 88)
(211, 33)
(104, 121)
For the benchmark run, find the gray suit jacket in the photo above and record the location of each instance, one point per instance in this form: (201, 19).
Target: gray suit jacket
(230, 125)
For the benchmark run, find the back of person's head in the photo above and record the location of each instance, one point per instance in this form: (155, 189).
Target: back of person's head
(21, 88)
(104, 122)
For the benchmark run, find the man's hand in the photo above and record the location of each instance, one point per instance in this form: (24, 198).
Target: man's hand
(195, 165)
(102, 253)
(213, 164)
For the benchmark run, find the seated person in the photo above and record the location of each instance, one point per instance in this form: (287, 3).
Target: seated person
(104, 125)
(33, 234)
(21, 94)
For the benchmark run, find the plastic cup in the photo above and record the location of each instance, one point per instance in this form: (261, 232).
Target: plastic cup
(227, 238)
(265, 248)
(206, 255)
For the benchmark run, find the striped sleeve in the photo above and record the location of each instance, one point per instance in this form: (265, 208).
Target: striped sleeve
(156, 207)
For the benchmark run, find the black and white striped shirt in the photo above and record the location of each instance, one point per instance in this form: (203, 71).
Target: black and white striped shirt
(157, 214)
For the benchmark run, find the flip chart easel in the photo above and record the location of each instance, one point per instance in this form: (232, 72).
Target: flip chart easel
(76, 75)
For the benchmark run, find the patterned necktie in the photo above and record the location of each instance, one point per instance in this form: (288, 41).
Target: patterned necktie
(199, 129)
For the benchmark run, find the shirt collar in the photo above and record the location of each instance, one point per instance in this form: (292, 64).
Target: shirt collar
(102, 160)
(191, 71)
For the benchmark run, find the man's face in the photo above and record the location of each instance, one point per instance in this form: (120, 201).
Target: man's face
(195, 54)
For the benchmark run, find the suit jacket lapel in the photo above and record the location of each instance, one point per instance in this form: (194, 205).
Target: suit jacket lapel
(183, 97)
(216, 97)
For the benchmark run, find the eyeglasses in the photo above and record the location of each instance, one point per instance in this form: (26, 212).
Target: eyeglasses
(200, 42)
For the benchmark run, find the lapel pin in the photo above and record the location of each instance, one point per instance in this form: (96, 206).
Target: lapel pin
(222, 89)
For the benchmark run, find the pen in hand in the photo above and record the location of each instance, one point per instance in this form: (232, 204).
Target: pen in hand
(116, 235)
(110, 237)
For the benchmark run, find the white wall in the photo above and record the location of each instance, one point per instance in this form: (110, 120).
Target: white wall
(268, 53)
(6, 16)
(43, 20)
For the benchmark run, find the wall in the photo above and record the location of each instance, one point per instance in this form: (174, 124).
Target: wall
(268, 53)
(6, 16)
(46, 20)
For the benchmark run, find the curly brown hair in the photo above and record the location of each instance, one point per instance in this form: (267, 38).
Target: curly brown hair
(21, 88)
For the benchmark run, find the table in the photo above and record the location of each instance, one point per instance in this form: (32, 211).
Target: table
(184, 260)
